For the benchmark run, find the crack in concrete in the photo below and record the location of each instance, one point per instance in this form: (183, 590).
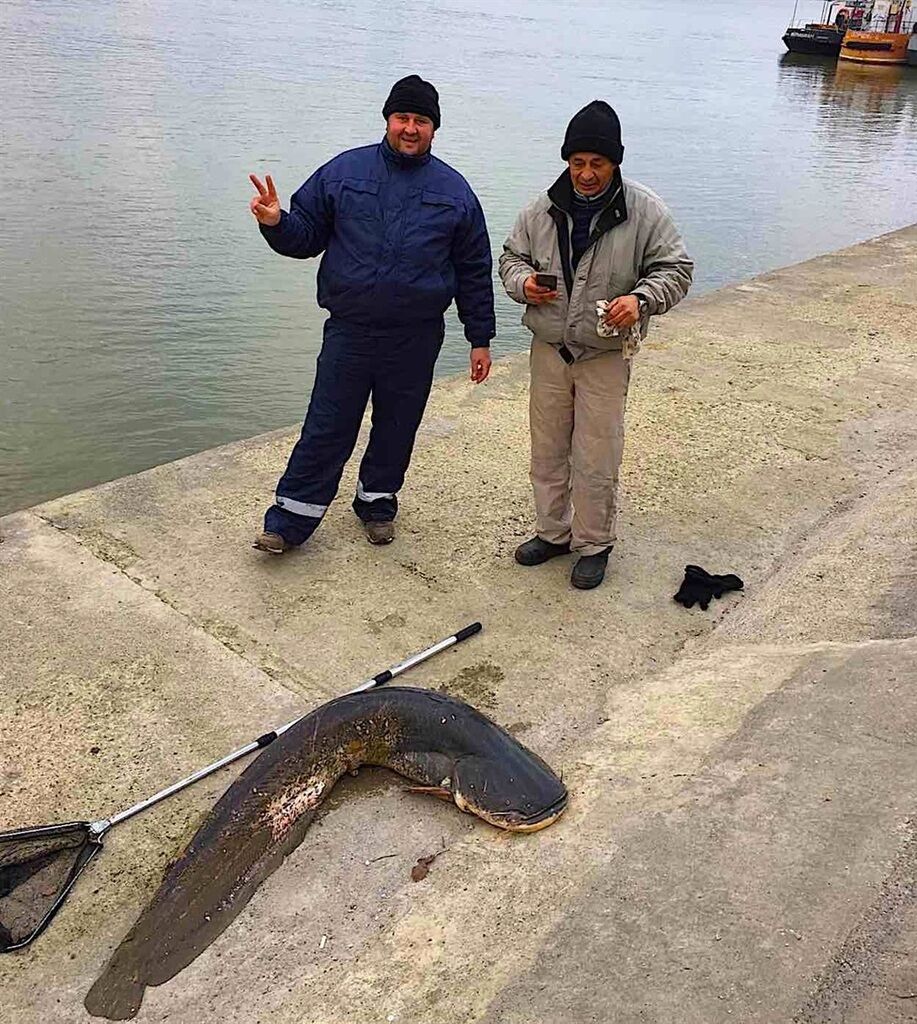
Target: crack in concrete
(208, 627)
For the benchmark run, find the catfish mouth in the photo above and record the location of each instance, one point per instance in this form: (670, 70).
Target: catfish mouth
(515, 821)
(541, 819)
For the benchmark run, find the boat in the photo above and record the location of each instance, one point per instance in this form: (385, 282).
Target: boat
(912, 46)
(824, 37)
(884, 36)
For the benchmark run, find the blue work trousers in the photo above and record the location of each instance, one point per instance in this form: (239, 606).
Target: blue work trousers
(355, 363)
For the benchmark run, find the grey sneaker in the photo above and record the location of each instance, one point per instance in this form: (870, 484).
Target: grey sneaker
(589, 571)
(379, 532)
(272, 543)
(536, 551)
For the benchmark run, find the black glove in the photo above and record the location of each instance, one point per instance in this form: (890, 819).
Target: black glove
(699, 586)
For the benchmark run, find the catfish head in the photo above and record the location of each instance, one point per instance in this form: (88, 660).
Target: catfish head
(519, 793)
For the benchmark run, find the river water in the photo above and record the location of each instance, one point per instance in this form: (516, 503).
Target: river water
(142, 317)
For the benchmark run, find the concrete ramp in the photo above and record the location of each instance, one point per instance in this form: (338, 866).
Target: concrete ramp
(740, 843)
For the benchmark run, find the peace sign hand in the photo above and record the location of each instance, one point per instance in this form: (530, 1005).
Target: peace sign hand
(265, 206)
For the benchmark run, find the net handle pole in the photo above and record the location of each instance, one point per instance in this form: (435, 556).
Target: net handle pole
(100, 827)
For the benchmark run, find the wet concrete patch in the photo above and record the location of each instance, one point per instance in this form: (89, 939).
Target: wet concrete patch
(388, 622)
(477, 684)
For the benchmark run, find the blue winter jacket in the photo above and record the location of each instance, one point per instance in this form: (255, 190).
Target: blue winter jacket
(402, 237)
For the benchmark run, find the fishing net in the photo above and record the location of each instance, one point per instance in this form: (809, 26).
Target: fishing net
(37, 868)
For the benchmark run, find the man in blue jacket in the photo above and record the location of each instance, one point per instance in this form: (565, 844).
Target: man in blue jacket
(402, 235)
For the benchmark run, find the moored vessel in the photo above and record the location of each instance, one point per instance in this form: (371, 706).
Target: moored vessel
(824, 37)
(884, 36)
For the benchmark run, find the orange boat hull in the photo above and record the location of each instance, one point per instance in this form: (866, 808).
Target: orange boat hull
(875, 47)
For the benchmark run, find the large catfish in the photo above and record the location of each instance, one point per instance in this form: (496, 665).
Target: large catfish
(441, 744)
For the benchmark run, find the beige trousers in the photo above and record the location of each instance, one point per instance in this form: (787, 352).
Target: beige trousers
(576, 417)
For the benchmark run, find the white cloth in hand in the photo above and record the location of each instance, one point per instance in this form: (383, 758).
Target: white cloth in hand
(630, 336)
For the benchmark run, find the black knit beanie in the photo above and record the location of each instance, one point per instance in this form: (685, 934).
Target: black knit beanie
(594, 129)
(412, 95)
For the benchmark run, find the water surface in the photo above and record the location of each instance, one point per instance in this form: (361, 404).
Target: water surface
(142, 317)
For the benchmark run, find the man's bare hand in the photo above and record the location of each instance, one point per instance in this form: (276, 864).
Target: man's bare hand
(535, 295)
(265, 206)
(623, 311)
(480, 364)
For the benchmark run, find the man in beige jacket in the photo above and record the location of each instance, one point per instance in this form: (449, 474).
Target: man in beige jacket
(592, 259)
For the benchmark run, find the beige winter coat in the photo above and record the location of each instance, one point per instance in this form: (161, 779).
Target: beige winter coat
(634, 248)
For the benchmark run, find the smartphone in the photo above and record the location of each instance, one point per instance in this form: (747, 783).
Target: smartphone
(546, 281)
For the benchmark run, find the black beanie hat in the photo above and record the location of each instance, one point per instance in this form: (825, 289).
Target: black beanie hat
(412, 95)
(594, 129)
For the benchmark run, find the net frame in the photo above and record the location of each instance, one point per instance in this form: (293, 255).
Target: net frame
(86, 841)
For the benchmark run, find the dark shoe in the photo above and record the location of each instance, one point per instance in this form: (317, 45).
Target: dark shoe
(589, 571)
(272, 543)
(536, 551)
(380, 531)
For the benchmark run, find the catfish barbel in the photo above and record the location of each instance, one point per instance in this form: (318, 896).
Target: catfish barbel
(444, 746)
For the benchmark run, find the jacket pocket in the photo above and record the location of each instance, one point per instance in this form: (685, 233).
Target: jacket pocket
(438, 199)
(438, 216)
(359, 199)
(430, 222)
(546, 322)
